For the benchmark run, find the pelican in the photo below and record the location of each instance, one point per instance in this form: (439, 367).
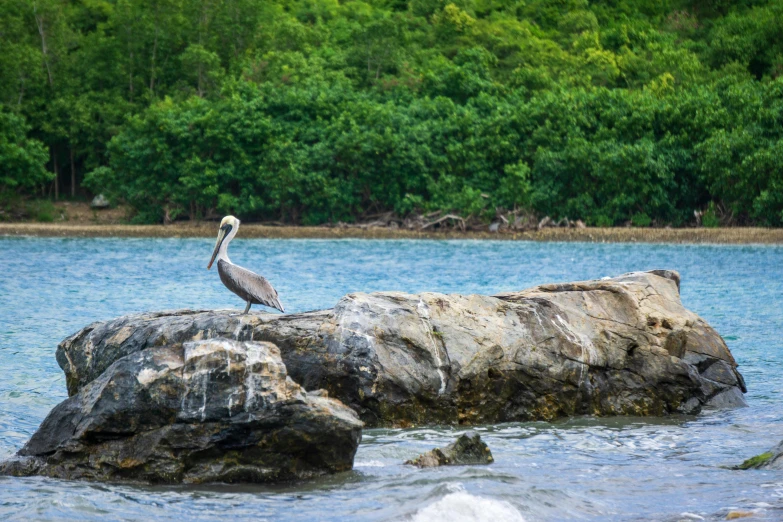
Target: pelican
(251, 287)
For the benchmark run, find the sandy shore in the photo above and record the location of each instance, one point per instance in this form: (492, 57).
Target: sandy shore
(598, 235)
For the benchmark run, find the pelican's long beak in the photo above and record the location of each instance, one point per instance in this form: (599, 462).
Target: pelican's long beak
(221, 236)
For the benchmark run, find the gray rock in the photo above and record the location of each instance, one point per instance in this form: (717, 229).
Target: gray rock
(467, 449)
(618, 346)
(725, 399)
(772, 459)
(99, 201)
(203, 411)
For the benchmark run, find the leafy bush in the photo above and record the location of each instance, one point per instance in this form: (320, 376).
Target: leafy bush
(41, 210)
(22, 159)
(640, 219)
(710, 217)
(311, 112)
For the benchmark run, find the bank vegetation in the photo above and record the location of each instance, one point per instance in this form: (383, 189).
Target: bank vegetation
(310, 112)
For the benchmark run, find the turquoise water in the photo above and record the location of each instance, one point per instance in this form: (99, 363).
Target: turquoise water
(579, 469)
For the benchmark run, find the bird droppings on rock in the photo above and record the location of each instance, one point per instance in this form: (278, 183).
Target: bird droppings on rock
(215, 410)
(620, 346)
(466, 450)
(204, 396)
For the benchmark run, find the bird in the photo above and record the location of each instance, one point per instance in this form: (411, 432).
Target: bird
(250, 286)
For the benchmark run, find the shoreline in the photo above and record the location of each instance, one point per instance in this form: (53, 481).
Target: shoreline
(736, 236)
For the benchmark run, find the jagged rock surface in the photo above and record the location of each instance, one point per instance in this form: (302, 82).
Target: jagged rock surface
(467, 449)
(203, 411)
(619, 346)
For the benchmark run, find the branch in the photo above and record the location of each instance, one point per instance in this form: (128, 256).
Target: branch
(447, 216)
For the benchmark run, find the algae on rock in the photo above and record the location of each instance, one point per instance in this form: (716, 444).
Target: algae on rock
(772, 459)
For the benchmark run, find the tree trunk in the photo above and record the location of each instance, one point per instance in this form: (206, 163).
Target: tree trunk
(21, 89)
(200, 80)
(130, 77)
(154, 52)
(44, 48)
(73, 176)
(129, 32)
(152, 67)
(56, 177)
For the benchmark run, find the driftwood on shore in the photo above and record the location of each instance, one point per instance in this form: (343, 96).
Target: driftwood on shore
(74, 219)
(252, 230)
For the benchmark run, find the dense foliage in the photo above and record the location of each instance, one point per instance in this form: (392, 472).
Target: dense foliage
(311, 111)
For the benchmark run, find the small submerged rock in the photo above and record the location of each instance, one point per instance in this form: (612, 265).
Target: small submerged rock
(205, 411)
(467, 449)
(772, 459)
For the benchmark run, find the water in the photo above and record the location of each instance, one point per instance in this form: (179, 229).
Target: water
(577, 469)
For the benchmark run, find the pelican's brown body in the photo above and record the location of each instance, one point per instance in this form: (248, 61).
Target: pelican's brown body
(250, 286)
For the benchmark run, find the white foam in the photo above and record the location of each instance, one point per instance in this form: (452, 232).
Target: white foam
(464, 507)
(369, 464)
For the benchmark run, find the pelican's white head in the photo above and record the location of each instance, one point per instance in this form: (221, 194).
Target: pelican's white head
(228, 229)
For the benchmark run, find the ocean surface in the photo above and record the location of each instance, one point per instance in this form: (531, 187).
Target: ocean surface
(583, 468)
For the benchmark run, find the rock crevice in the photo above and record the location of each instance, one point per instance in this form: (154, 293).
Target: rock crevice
(615, 346)
(214, 410)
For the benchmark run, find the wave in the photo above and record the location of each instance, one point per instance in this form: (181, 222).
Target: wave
(464, 507)
(369, 464)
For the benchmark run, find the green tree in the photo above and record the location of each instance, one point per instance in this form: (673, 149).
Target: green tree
(22, 160)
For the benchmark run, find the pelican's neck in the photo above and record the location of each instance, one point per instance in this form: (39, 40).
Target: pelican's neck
(223, 252)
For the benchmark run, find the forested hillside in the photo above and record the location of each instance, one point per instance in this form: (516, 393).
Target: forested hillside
(314, 111)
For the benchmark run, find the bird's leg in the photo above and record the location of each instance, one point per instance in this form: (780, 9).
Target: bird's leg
(246, 308)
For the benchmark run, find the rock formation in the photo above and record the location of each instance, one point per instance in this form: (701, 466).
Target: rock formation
(201, 411)
(619, 346)
(772, 459)
(467, 449)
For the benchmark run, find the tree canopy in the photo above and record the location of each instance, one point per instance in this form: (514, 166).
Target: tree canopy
(314, 111)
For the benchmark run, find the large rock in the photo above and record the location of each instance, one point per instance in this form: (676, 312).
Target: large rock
(100, 201)
(203, 411)
(620, 346)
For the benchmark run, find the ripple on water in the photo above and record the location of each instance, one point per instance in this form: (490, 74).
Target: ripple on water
(574, 469)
